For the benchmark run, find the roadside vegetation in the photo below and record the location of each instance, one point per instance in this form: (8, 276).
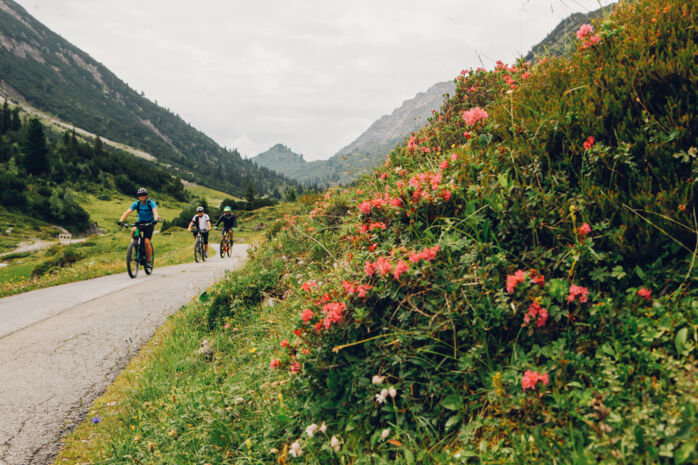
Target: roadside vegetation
(516, 285)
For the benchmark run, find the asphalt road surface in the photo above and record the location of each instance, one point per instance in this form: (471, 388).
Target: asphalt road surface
(62, 346)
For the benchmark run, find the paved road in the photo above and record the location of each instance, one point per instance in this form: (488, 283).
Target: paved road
(61, 347)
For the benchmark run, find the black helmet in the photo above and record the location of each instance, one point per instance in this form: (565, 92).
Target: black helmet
(141, 191)
(199, 209)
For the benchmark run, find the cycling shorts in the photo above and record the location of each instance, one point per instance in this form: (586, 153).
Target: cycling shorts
(204, 235)
(147, 232)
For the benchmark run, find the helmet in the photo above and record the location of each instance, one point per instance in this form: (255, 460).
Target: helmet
(199, 209)
(142, 191)
(227, 209)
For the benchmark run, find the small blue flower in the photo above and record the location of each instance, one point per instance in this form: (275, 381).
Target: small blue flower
(96, 419)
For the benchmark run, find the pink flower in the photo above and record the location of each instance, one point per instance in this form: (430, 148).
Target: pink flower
(474, 115)
(365, 207)
(454, 157)
(578, 291)
(445, 194)
(584, 230)
(584, 30)
(307, 315)
(298, 332)
(361, 290)
(400, 268)
(645, 293)
(295, 367)
(369, 268)
(396, 202)
(226, 326)
(514, 280)
(589, 143)
(307, 286)
(383, 265)
(275, 363)
(284, 343)
(535, 311)
(444, 165)
(531, 378)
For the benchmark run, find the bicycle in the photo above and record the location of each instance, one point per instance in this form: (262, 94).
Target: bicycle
(226, 246)
(136, 254)
(199, 251)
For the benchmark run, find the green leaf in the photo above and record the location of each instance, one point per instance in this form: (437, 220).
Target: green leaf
(451, 422)
(452, 402)
(204, 297)
(680, 339)
(503, 181)
(684, 453)
(409, 456)
(618, 273)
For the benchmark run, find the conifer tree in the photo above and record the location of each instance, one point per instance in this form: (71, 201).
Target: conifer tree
(5, 118)
(249, 192)
(36, 153)
(15, 123)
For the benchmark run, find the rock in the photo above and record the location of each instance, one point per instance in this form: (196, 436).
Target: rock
(259, 227)
(206, 350)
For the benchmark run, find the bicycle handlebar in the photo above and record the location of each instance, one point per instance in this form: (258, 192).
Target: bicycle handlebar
(138, 224)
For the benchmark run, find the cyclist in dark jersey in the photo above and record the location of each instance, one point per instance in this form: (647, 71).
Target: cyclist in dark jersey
(147, 213)
(230, 222)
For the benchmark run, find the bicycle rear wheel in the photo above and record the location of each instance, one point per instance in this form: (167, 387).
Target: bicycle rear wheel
(132, 260)
(222, 248)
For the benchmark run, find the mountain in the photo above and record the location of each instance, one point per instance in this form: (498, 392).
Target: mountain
(41, 69)
(366, 151)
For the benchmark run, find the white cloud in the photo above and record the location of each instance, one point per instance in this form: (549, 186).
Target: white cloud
(311, 74)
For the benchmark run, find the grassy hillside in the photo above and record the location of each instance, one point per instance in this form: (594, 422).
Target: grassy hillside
(516, 285)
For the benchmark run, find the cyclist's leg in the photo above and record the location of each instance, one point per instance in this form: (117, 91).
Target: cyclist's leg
(147, 235)
(205, 237)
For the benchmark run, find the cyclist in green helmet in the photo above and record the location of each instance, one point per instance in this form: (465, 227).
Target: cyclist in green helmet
(230, 222)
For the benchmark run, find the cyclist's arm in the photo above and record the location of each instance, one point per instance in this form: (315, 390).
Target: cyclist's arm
(191, 223)
(220, 218)
(156, 217)
(126, 213)
(235, 221)
(208, 223)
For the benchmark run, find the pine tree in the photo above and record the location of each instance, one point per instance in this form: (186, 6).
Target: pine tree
(15, 123)
(98, 148)
(249, 192)
(5, 118)
(36, 153)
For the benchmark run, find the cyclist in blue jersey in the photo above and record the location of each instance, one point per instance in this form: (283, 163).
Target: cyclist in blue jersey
(147, 213)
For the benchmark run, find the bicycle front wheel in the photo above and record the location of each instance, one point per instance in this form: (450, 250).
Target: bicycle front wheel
(132, 260)
(198, 251)
(229, 250)
(222, 248)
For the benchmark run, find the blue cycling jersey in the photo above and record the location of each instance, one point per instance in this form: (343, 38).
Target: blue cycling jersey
(145, 209)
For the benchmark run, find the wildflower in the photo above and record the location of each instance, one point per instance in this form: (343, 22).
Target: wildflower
(383, 265)
(323, 427)
(377, 379)
(275, 363)
(392, 391)
(298, 332)
(334, 443)
(295, 367)
(580, 291)
(531, 378)
(454, 157)
(400, 268)
(514, 280)
(318, 326)
(474, 115)
(444, 165)
(537, 278)
(584, 31)
(584, 230)
(372, 247)
(385, 433)
(96, 419)
(310, 430)
(467, 135)
(645, 293)
(307, 315)
(295, 449)
(445, 194)
(369, 268)
(537, 312)
(307, 286)
(365, 207)
(226, 326)
(384, 176)
(380, 397)
(395, 202)
(589, 143)
(361, 290)
(284, 343)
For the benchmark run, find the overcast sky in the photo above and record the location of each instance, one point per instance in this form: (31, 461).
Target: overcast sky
(311, 74)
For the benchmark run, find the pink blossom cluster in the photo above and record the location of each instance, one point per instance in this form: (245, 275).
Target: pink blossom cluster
(577, 291)
(384, 267)
(515, 279)
(334, 312)
(587, 36)
(589, 143)
(352, 288)
(531, 378)
(536, 312)
(474, 115)
(428, 254)
(308, 285)
(645, 293)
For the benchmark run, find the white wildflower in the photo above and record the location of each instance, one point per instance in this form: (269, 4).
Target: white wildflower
(377, 379)
(310, 430)
(385, 433)
(323, 427)
(295, 450)
(392, 391)
(334, 443)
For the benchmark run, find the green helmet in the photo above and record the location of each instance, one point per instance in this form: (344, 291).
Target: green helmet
(227, 209)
